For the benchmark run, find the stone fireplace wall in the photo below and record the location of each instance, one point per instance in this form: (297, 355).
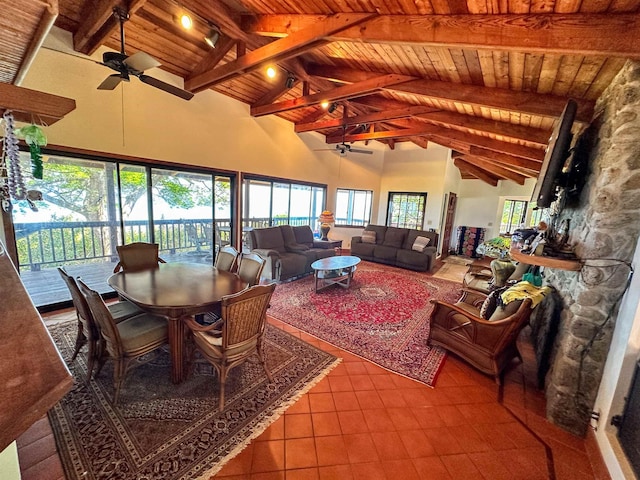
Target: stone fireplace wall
(605, 226)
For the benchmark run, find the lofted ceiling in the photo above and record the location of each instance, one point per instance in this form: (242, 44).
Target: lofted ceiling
(486, 78)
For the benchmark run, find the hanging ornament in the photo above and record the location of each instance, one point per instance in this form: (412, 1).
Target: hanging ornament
(35, 138)
(11, 156)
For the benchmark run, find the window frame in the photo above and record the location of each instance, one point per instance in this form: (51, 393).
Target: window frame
(511, 225)
(351, 192)
(420, 224)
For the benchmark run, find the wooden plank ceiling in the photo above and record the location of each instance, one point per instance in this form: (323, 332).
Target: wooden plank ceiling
(485, 78)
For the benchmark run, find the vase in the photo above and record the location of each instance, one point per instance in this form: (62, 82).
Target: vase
(324, 230)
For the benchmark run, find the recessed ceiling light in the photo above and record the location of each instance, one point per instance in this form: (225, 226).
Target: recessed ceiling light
(271, 72)
(186, 21)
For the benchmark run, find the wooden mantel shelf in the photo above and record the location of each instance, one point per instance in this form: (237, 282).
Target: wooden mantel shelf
(32, 106)
(33, 375)
(550, 262)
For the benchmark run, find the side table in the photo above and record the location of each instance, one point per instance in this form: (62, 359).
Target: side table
(335, 244)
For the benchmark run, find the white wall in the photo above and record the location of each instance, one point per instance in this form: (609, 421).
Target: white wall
(480, 204)
(409, 168)
(624, 352)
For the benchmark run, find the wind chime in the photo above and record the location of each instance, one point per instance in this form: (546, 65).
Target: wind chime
(12, 181)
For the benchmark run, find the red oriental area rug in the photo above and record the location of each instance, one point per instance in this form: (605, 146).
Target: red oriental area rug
(382, 317)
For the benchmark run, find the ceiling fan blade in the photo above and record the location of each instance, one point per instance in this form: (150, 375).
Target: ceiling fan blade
(141, 61)
(357, 150)
(112, 81)
(173, 90)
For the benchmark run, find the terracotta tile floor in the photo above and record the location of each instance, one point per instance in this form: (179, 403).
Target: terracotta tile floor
(363, 422)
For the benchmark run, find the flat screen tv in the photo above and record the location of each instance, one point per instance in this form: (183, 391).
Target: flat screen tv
(555, 157)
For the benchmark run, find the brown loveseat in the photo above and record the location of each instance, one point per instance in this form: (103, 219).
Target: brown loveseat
(394, 246)
(289, 251)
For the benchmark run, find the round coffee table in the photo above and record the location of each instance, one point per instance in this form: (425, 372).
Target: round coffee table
(336, 270)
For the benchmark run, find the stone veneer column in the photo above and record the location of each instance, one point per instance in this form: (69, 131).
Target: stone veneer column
(605, 225)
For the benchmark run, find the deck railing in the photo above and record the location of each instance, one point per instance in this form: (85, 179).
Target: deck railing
(53, 244)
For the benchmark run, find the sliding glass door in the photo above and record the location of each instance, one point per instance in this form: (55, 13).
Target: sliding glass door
(89, 206)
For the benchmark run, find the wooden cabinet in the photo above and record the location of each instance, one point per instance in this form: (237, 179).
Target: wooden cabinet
(34, 376)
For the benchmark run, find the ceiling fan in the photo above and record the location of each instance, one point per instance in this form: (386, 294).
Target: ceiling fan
(343, 148)
(135, 65)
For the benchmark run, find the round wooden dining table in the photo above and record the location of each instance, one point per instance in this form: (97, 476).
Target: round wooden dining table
(174, 291)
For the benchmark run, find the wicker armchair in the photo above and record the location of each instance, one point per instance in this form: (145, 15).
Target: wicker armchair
(226, 259)
(238, 335)
(125, 341)
(250, 268)
(88, 331)
(137, 256)
(488, 345)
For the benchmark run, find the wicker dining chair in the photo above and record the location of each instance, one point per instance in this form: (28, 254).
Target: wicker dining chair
(250, 268)
(125, 341)
(137, 256)
(226, 259)
(237, 335)
(88, 331)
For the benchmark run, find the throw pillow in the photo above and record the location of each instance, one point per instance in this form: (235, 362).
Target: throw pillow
(420, 244)
(368, 236)
(491, 303)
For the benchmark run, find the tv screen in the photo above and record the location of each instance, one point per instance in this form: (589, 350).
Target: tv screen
(555, 157)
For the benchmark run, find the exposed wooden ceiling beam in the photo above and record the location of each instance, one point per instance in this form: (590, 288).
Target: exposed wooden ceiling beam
(99, 23)
(603, 34)
(30, 105)
(495, 169)
(421, 142)
(532, 165)
(445, 118)
(333, 95)
(48, 18)
(404, 112)
(525, 172)
(281, 49)
(477, 172)
(499, 98)
(275, 93)
(447, 137)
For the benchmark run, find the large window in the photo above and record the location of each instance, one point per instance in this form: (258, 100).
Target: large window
(91, 205)
(406, 209)
(280, 202)
(513, 215)
(353, 207)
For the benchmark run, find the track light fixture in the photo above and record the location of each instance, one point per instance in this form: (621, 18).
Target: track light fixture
(291, 80)
(213, 36)
(332, 107)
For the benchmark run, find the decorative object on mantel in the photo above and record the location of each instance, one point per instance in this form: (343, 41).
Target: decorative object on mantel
(326, 218)
(12, 184)
(35, 138)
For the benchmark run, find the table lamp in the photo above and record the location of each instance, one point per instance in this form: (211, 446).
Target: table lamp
(325, 218)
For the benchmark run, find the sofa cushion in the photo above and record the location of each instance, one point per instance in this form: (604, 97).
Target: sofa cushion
(394, 237)
(269, 239)
(385, 253)
(380, 231)
(368, 236)
(304, 235)
(420, 243)
(360, 249)
(417, 260)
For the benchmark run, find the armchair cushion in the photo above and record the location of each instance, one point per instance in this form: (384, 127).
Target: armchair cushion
(269, 239)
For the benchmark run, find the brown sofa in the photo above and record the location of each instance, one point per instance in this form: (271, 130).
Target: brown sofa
(393, 247)
(289, 251)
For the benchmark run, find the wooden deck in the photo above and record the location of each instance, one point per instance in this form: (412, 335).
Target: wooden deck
(47, 289)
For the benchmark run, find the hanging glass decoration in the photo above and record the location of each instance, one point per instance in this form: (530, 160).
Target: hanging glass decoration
(35, 138)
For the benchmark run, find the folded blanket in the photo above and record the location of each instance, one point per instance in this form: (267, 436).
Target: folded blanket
(522, 290)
